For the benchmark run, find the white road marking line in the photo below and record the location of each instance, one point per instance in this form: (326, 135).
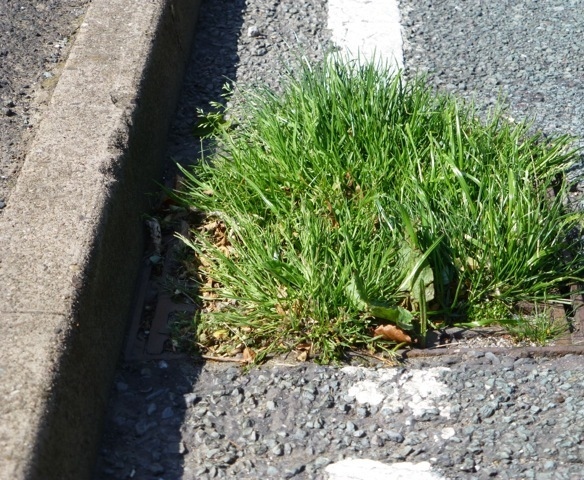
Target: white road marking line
(367, 29)
(357, 469)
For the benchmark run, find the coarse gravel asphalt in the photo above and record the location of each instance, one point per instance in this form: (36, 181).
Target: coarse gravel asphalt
(459, 416)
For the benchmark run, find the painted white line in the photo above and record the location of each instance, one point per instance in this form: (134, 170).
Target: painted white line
(418, 392)
(355, 469)
(367, 29)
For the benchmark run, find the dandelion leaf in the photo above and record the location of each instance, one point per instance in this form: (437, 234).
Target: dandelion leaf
(398, 315)
(416, 263)
(356, 292)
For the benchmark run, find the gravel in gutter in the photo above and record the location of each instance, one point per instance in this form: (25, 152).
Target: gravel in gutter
(478, 415)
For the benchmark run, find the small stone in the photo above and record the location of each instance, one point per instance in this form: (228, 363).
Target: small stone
(278, 450)
(492, 358)
(272, 471)
(487, 411)
(350, 427)
(468, 465)
(151, 409)
(427, 414)
(322, 462)
(253, 31)
(228, 459)
(236, 391)
(403, 452)
(191, 398)
(200, 412)
(327, 401)
(2, 204)
(270, 442)
(444, 460)
(167, 413)
(260, 52)
(362, 412)
(394, 436)
(271, 405)
(208, 423)
(162, 364)
(212, 452)
(199, 471)
(474, 447)
(293, 471)
(504, 454)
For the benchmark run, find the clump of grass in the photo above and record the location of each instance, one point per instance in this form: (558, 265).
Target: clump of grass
(356, 199)
(539, 328)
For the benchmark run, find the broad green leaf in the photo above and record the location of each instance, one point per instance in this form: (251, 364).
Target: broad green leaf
(417, 265)
(355, 290)
(397, 315)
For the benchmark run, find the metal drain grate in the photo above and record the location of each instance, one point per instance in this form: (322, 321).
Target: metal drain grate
(148, 338)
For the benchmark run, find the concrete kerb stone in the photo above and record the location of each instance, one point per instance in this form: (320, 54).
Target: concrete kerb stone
(71, 237)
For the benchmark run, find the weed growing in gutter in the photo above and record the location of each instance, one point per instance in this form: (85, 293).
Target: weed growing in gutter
(358, 210)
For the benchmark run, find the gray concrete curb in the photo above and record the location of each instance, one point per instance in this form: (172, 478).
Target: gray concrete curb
(71, 237)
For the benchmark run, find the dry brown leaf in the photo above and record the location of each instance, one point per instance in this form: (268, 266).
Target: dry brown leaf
(393, 333)
(248, 355)
(210, 226)
(236, 350)
(221, 239)
(302, 356)
(304, 346)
